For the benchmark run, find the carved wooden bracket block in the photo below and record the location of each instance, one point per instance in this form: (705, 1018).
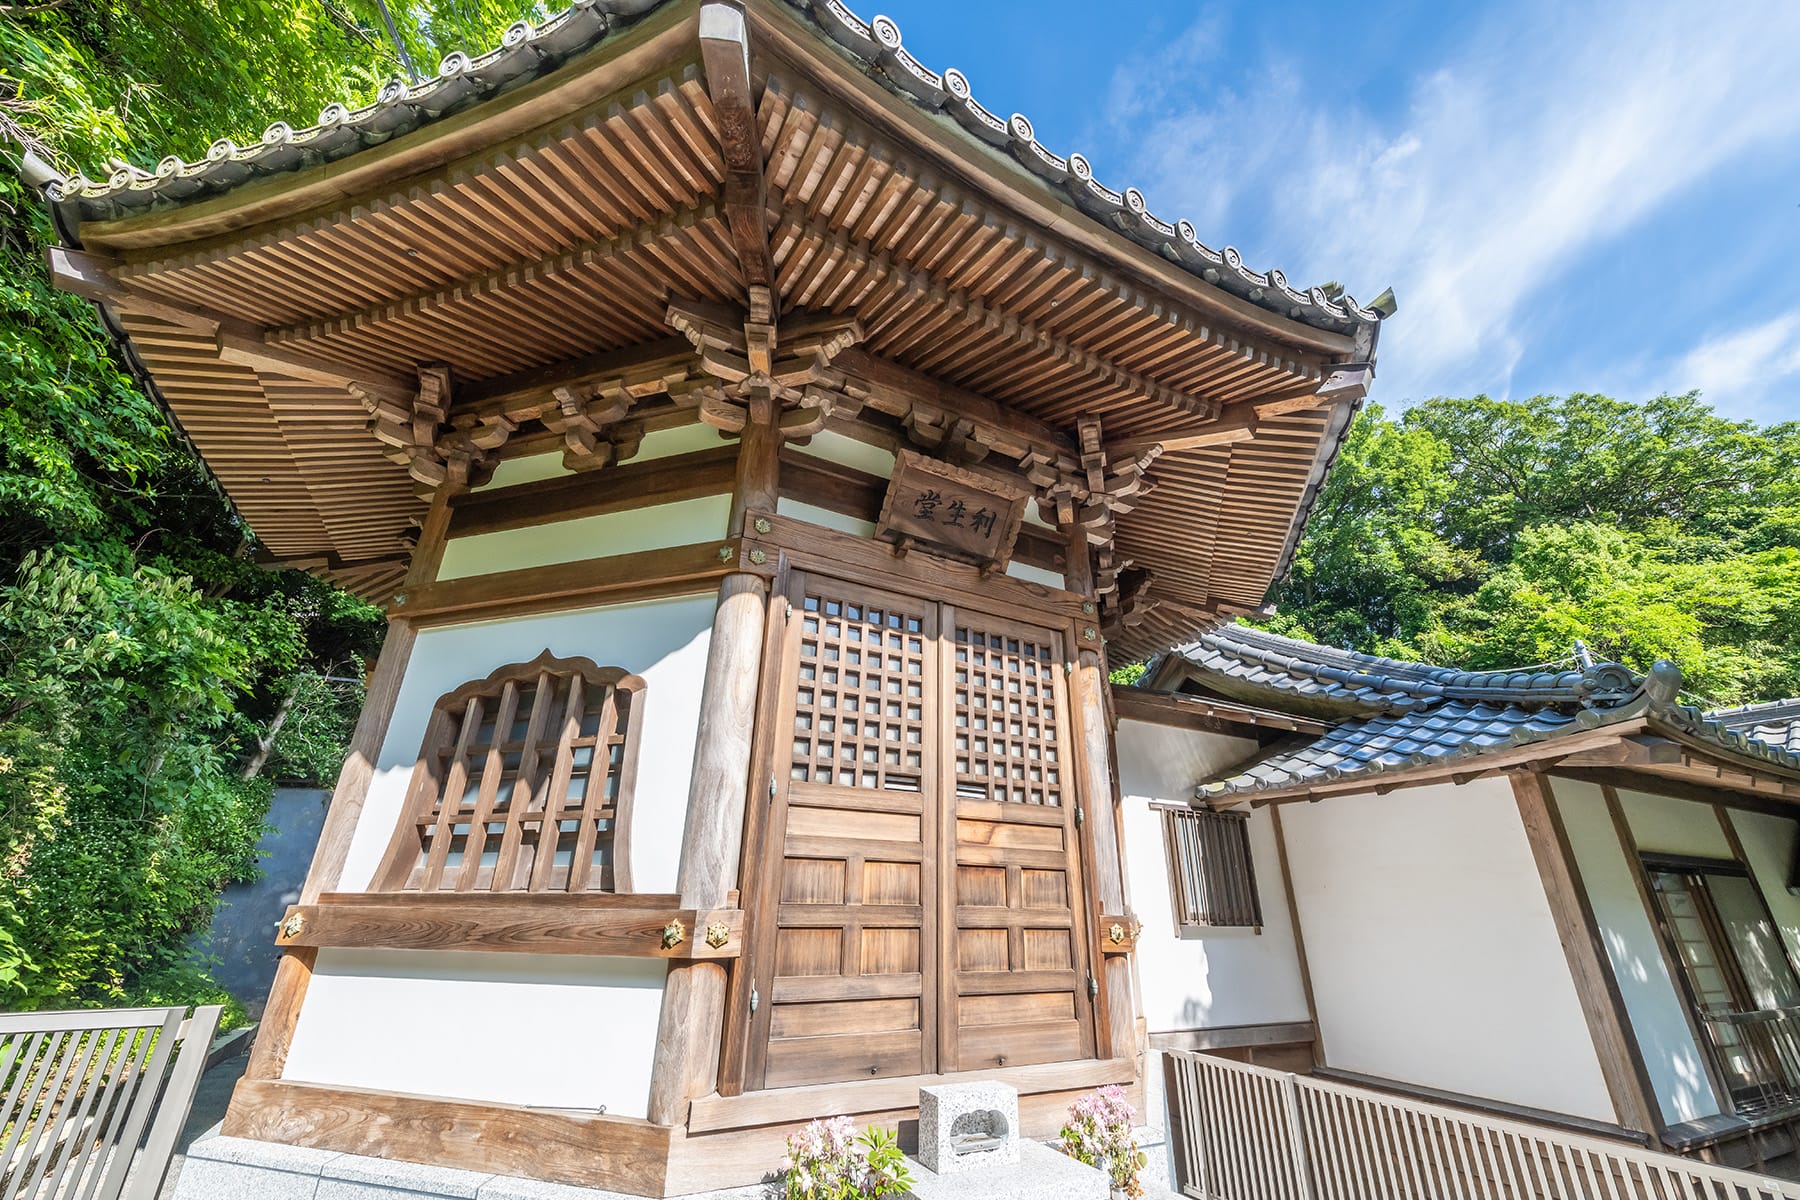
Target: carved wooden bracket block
(416, 436)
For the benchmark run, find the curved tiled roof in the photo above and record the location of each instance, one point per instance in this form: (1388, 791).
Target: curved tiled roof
(1405, 715)
(529, 51)
(1776, 722)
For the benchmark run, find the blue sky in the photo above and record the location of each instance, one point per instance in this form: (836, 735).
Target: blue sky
(1564, 197)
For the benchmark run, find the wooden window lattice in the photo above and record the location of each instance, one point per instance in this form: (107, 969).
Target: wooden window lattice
(860, 705)
(1007, 731)
(523, 784)
(1212, 879)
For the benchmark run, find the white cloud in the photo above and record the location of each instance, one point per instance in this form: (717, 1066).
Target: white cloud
(1755, 371)
(1553, 129)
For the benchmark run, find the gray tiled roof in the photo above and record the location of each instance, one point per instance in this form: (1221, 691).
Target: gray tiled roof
(1400, 716)
(529, 51)
(1777, 722)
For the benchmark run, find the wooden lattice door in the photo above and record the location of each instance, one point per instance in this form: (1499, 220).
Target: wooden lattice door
(1016, 988)
(845, 981)
(924, 896)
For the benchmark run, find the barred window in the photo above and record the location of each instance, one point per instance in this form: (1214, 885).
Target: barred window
(1212, 880)
(523, 784)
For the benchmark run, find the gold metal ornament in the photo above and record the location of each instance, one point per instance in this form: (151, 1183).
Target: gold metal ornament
(294, 926)
(1087, 607)
(717, 934)
(762, 525)
(725, 553)
(674, 933)
(759, 556)
(1116, 934)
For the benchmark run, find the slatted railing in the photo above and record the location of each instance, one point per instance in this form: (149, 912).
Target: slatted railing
(91, 1095)
(1248, 1133)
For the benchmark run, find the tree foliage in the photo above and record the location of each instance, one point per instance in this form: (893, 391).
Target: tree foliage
(144, 656)
(1486, 534)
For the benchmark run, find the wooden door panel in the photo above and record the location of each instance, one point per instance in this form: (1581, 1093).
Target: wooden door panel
(1016, 987)
(929, 909)
(850, 994)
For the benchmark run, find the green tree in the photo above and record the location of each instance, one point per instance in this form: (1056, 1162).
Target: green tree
(145, 659)
(1485, 534)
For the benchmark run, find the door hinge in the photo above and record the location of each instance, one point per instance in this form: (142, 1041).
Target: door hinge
(1080, 815)
(754, 998)
(1093, 986)
(787, 610)
(771, 789)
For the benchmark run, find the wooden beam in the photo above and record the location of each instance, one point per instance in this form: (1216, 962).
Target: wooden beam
(1233, 1037)
(629, 926)
(1639, 751)
(890, 388)
(1214, 716)
(1603, 1006)
(582, 1149)
(725, 54)
(673, 570)
(91, 275)
(615, 489)
(645, 369)
(712, 1113)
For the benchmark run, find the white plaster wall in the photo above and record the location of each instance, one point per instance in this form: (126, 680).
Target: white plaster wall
(556, 1031)
(1224, 976)
(1769, 845)
(856, 527)
(1433, 954)
(629, 532)
(664, 641)
(849, 452)
(1671, 826)
(1658, 1021)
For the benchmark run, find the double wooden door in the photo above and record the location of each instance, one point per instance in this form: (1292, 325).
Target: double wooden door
(922, 855)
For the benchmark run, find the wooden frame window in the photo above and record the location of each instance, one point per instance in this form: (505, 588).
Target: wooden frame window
(523, 784)
(1212, 879)
(1735, 973)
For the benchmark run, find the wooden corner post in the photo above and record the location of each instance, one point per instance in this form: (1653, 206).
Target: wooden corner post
(1621, 1060)
(687, 1045)
(1100, 821)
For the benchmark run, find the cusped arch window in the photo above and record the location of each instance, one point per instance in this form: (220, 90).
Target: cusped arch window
(523, 784)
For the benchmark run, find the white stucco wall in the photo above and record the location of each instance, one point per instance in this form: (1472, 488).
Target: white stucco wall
(1433, 955)
(1224, 976)
(664, 641)
(556, 1031)
(1672, 826)
(1651, 1000)
(1769, 845)
(680, 523)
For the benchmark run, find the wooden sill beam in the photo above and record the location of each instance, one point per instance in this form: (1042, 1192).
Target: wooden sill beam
(710, 1113)
(625, 926)
(582, 1149)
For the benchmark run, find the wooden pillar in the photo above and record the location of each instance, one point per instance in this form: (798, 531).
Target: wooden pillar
(1621, 1061)
(686, 1063)
(1101, 818)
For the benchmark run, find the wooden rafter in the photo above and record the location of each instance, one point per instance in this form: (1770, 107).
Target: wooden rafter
(725, 53)
(92, 276)
(1021, 331)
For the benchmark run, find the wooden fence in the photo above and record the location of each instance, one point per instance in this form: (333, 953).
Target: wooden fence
(1241, 1132)
(81, 1099)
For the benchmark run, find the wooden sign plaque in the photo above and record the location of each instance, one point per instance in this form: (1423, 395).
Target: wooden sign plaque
(951, 510)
